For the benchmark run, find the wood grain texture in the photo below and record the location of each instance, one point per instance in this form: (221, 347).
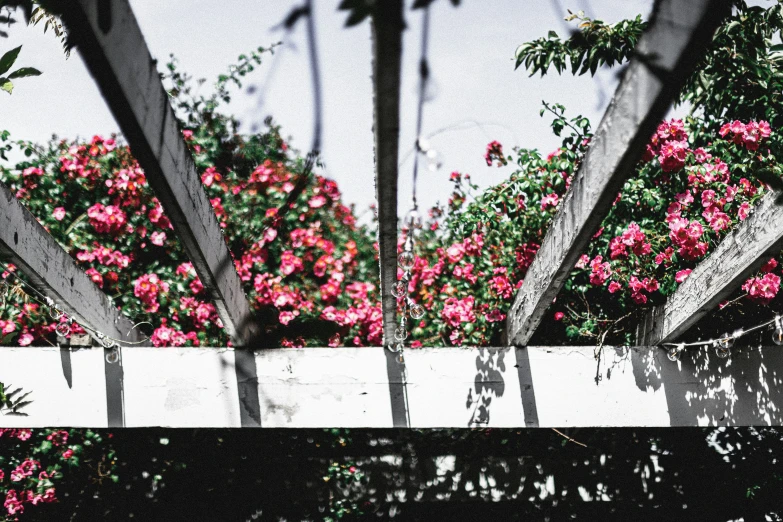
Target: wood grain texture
(26, 244)
(666, 54)
(738, 256)
(387, 55)
(109, 39)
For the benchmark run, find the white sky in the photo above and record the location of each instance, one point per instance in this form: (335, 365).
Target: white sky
(471, 62)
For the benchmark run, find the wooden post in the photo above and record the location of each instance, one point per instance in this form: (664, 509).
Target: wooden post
(387, 26)
(666, 55)
(110, 41)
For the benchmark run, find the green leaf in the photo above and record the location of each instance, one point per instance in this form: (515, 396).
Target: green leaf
(8, 59)
(24, 72)
(6, 85)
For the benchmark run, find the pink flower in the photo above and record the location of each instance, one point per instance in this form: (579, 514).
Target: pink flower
(600, 271)
(147, 288)
(559, 316)
(762, 289)
(769, 266)
(583, 260)
(157, 238)
(106, 219)
(682, 275)
(286, 317)
(165, 336)
(455, 252)
(12, 503)
(743, 211)
(672, 155)
(457, 311)
(58, 213)
(494, 316)
(290, 264)
(684, 198)
(495, 152)
(550, 200)
(614, 286)
(95, 276)
(210, 176)
(317, 201)
(25, 339)
(502, 287)
(67, 454)
(6, 327)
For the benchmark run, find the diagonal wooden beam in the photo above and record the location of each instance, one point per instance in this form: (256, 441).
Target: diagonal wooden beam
(667, 53)
(387, 54)
(110, 41)
(25, 243)
(738, 256)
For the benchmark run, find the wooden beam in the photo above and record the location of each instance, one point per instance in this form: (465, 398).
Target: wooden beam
(738, 256)
(111, 43)
(666, 55)
(447, 387)
(51, 271)
(387, 58)
(387, 27)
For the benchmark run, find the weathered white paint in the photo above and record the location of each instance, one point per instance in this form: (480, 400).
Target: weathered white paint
(182, 387)
(445, 387)
(46, 373)
(311, 387)
(664, 58)
(463, 387)
(112, 45)
(567, 394)
(739, 255)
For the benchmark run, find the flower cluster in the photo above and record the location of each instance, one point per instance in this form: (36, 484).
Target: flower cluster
(495, 153)
(748, 134)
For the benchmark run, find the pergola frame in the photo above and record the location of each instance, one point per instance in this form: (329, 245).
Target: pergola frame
(257, 385)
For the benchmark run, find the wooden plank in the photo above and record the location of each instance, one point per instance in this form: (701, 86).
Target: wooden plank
(447, 387)
(110, 41)
(387, 58)
(737, 257)
(387, 27)
(666, 54)
(51, 271)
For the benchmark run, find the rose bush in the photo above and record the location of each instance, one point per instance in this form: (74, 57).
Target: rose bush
(310, 270)
(34, 463)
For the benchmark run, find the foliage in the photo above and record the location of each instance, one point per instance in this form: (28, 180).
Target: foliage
(36, 12)
(33, 464)
(593, 45)
(301, 269)
(11, 402)
(6, 62)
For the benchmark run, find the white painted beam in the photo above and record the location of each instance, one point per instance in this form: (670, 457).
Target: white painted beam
(679, 32)
(110, 41)
(738, 256)
(445, 387)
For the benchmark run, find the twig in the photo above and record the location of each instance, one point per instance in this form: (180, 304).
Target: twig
(569, 438)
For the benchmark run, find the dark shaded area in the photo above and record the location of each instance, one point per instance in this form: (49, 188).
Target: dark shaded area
(693, 474)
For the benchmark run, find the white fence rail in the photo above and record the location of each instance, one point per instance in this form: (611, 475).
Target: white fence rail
(445, 387)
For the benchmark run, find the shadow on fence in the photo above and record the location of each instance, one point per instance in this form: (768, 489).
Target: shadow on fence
(705, 390)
